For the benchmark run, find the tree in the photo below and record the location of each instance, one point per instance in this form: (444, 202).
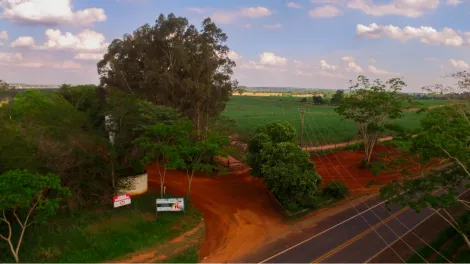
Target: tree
(288, 172)
(371, 105)
(174, 64)
(337, 97)
(6, 92)
(270, 133)
(241, 89)
(27, 198)
(43, 133)
(317, 99)
(444, 134)
(161, 143)
(193, 151)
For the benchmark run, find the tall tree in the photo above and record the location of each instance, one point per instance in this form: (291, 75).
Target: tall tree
(371, 105)
(174, 64)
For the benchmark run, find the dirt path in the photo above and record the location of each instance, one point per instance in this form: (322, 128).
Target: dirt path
(238, 213)
(168, 249)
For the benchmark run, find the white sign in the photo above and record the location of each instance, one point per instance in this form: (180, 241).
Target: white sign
(122, 200)
(172, 205)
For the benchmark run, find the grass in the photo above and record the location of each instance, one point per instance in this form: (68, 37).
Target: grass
(102, 236)
(251, 111)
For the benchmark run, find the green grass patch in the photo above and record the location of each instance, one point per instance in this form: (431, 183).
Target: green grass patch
(102, 236)
(322, 125)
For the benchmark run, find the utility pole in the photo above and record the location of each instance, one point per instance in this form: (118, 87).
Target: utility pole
(302, 118)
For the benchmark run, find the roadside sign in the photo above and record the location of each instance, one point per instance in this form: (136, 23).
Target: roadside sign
(170, 205)
(122, 200)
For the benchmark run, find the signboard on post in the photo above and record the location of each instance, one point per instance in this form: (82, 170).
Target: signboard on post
(170, 205)
(122, 200)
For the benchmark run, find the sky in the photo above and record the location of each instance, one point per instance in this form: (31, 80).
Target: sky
(279, 43)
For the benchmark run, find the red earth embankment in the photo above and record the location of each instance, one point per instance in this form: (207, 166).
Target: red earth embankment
(345, 166)
(238, 212)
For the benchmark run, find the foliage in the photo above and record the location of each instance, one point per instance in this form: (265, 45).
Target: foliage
(288, 171)
(270, 133)
(109, 235)
(317, 99)
(336, 190)
(26, 198)
(337, 97)
(84, 98)
(303, 100)
(43, 133)
(6, 92)
(173, 63)
(371, 106)
(125, 115)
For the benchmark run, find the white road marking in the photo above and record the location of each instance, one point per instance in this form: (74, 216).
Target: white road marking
(322, 232)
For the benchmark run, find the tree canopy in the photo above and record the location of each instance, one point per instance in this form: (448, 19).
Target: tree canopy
(174, 64)
(371, 105)
(26, 198)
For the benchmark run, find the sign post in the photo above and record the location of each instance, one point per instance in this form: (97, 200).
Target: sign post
(170, 205)
(122, 200)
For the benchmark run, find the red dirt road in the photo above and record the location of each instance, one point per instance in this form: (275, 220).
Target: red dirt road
(238, 212)
(344, 166)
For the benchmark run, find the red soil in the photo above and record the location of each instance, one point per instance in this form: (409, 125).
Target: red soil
(345, 166)
(238, 212)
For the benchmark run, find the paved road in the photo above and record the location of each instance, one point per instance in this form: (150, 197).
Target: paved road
(349, 237)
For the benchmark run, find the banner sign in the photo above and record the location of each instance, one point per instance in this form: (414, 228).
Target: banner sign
(122, 200)
(170, 205)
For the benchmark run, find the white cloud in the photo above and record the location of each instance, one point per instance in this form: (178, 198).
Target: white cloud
(30, 64)
(298, 63)
(251, 65)
(426, 35)
(269, 58)
(255, 12)
(351, 65)
(409, 8)
(85, 41)
(459, 64)
(325, 11)
(372, 60)
(320, 74)
(68, 65)
(10, 57)
(49, 13)
(293, 5)
(89, 56)
(3, 35)
(228, 17)
(196, 10)
(453, 2)
(325, 66)
(347, 58)
(374, 70)
(24, 42)
(273, 26)
(234, 56)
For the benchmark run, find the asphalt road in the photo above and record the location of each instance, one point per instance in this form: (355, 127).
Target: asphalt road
(349, 236)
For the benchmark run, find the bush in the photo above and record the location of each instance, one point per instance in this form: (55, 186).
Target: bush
(336, 190)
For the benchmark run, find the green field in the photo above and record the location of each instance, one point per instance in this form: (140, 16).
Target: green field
(322, 124)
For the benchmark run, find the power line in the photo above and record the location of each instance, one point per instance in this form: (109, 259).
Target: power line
(386, 210)
(352, 205)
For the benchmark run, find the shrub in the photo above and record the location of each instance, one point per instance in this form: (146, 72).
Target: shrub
(335, 189)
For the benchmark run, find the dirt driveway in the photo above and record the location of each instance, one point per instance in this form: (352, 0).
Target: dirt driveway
(238, 212)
